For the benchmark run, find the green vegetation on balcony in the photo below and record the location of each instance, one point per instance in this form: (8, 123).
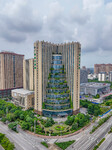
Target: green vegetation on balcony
(51, 68)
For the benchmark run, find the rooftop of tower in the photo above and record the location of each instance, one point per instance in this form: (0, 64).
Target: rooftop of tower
(58, 44)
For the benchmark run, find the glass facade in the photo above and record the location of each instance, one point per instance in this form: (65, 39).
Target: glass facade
(58, 93)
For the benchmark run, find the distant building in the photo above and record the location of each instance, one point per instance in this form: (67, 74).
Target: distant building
(84, 67)
(28, 74)
(110, 76)
(92, 76)
(11, 72)
(83, 76)
(23, 98)
(102, 76)
(92, 88)
(102, 68)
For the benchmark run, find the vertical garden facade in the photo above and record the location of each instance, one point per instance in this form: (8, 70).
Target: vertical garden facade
(57, 78)
(58, 102)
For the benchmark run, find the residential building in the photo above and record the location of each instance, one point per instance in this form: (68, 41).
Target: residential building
(11, 72)
(23, 98)
(102, 68)
(28, 74)
(92, 88)
(110, 76)
(102, 76)
(51, 63)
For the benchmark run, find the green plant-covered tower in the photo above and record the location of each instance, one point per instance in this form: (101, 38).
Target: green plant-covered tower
(57, 101)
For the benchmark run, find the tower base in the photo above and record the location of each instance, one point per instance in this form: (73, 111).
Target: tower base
(38, 112)
(76, 112)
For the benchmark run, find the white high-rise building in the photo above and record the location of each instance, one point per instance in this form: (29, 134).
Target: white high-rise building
(102, 76)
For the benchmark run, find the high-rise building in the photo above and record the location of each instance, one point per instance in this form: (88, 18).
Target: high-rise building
(28, 74)
(11, 72)
(110, 76)
(83, 76)
(102, 76)
(57, 78)
(102, 68)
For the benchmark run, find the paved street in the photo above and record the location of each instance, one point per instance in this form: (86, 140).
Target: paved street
(107, 144)
(87, 142)
(22, 140)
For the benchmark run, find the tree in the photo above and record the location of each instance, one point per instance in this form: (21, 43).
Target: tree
(12, 126)
(75, 126)
(24, 125)
(22, 117)
(91, 109)
(10, 117)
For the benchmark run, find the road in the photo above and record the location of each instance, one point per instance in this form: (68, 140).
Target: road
(88, 141)
(107, 144)
(22, 140)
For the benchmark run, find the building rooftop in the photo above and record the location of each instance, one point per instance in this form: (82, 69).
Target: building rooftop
(23, 91)
(11, 53)
(94, 85)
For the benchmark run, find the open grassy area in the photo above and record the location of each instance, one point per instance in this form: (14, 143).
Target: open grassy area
(64, 145)
(54, 128)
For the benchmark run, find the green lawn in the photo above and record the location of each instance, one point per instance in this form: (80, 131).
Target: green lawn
(45, 144)
(64, 145)
(54, 128)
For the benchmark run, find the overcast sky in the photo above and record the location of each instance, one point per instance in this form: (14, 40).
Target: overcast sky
(22, 22)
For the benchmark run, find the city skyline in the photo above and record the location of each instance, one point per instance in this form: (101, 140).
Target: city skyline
(58, 22)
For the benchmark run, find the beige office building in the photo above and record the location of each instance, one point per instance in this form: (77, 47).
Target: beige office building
(11, 72)
(28, 74)
(23, 98)
(44, 53)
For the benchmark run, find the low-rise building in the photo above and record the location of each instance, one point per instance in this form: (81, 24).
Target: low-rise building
(92, 76)
(23, 98)
(93, 88)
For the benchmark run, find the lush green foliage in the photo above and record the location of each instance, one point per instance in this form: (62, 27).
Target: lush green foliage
(59, 127)
(6, 144)
(45, 144)
(92, 109)
(13, 126)
(64, 145)
(97, 146)
(77, 121)
(49, 122)
(97, 96)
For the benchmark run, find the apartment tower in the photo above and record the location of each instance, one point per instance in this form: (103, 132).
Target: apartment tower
(57, 78)
(11, 72)
(28, 74)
